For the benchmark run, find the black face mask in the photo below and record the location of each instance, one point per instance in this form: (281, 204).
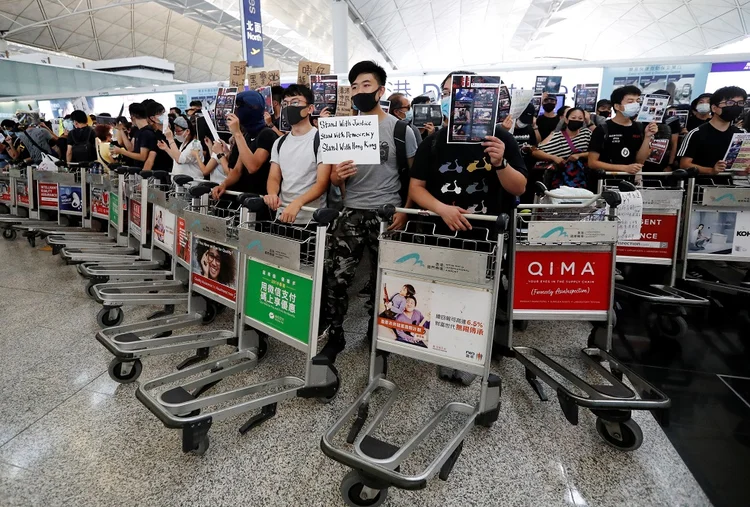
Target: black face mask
(574, 125)
(730, 113)
(603, 114)
(294, 114)
(365, 102)
(549, 106)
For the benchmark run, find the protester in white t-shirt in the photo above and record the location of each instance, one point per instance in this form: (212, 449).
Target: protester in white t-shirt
(185, 161)
(297, 177)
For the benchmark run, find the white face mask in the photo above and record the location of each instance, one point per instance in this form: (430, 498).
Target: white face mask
(631, 110)
(180, 138)
(703, 108)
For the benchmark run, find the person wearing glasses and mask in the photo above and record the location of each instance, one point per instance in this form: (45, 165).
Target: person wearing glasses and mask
(704, 147)
(297, 177)
(401, 109)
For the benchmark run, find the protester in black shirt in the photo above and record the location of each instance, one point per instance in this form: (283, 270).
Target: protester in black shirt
(196, 106)
(251, 155)
(80, 143)
(603, 112)
(700, 112)
(143, 139)
(622, 145)
(705, 146)
(547, 122)
(158, 121)
(668, 130)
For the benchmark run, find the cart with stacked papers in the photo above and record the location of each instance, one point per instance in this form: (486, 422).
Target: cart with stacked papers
(562, 263)
(663, 304)
(456, 279)
(716, 243)
(131, 342)
(271, 256)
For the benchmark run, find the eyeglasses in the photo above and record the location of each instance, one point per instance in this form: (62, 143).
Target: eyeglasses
(212, 257)
(731, 103)
(294, 103)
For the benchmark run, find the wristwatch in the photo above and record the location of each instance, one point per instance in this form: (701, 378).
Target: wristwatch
(502, 165)
(219, 156)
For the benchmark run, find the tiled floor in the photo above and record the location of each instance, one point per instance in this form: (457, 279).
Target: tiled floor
(71, 436)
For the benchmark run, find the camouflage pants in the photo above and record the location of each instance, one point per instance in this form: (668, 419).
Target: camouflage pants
(355, 230)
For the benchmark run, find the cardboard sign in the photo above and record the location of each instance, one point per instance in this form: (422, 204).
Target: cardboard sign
(237, 74)
(656, 241)
(48, 194)
(344, 101)
(562, 280)
(354, 138)
(306, 69)
(256, 80)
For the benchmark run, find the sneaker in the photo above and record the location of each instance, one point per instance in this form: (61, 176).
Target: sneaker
(366, 290)
(334, 345)
(618, 275)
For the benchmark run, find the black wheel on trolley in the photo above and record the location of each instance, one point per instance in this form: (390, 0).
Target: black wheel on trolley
(116, 367)
(351, 492)
(108, 317)
(336, 387)
(624, 436)
(202, 447)
(667, 325)
(10, 234)
(263, 343)
(90, 288)
(213, 310)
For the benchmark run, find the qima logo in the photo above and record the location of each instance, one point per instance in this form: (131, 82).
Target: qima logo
(726, 197)
(556, 232)
(413, 257)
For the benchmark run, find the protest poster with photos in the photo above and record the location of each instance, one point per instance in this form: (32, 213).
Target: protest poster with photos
(344, 101)
(215, 267)
(265, 92)
(681, 114)
(256, 80)
(549, 84)
(658, 149)
(503, 104)
(306, 69)
(585, 97)
(737, 156)
(225, 104)
(237, 74)
(653, 108)
(385, 105)
(448, 321)
(423, 114)
(325, 91)
(473, 113)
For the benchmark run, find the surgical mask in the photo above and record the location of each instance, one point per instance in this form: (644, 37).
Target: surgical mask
(114, 134)
(365, 102)
(180, 138)
(164, 119)
(631, 110)
(409, 116)
(68, 125)
(294, 114)
(703, 108)
(549, 106)
(730, 113)
(574, 125)
(445, 106)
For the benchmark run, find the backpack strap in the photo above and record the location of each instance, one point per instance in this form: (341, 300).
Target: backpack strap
(316, 145)
(402, 162)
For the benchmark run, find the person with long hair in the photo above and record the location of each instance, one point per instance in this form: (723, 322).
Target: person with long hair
(566, 149)
(216, 264)
(184, 159)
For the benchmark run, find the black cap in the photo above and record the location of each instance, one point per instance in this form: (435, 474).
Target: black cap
(528, 114)
(694, 103)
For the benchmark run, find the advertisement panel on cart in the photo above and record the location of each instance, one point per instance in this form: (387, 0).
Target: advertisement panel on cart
(447, 320)
(164, 224)
(99, 202)
(22, 192)
(48, 195)
(215, 268)
(657, 240)
(278, 298)
(5, 191)
(562, 280)
(135, 218)
(69, 199)
(183, 242)
(724, 233)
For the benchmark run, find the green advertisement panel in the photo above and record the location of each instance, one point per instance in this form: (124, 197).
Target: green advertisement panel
(280, 299)
(114, 208)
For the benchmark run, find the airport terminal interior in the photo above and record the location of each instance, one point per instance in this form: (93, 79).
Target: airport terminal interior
(375, 253)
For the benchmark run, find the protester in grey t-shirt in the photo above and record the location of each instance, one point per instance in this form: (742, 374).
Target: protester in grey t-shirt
(41, 137)
(365, 188)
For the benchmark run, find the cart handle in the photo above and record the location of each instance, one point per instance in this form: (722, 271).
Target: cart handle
(612, 198)
(387, 211)
(133, 170)
(676, 175)
(182, 179)
(323, 216)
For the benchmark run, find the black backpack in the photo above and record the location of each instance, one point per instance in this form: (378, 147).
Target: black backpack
(402, 162)
(83, 152)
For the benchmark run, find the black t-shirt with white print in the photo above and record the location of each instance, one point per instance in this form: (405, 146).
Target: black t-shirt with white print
(620, 145)
(462, 175)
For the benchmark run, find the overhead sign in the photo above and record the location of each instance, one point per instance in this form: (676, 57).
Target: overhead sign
(252, 42)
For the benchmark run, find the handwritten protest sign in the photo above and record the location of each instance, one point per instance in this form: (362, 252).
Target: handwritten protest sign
(237, 74)
(350, 138)
(344, 101)
(263, 78)
(307, 69)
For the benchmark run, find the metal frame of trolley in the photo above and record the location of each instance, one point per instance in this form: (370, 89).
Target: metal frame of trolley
(562, 264)
(294, 252)
(462, 273)
(664, 201)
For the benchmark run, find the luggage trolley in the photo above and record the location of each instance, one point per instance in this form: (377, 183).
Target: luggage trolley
(131, 342)
(22, 203)
(114, 295)
(562, 262)
(6, 201)
(273, 255)
(716, 231)
(665, 307)
(459, 278)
